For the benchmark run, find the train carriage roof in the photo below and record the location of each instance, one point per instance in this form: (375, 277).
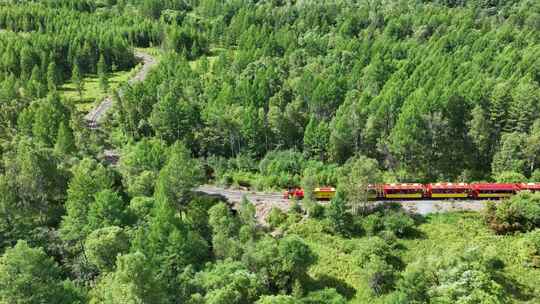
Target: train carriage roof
(530, 186)
(463, 186)
(405, 186)
(494, 186)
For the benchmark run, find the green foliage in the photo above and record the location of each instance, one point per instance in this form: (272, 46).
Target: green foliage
(103, 245)
(77, 79)
(327, 295)
(510, 177)
(178, 177)
(65, 142)
(28, 275)
(140, 164)
(272, 94)
(358, 173)
(276, 217)
(225, 229)
(88, 179)
(380, 275)
(108, 209)
(102, 73)
(122, 286)
(510, 155)
(33, 188)
(229, 282)
(280, 299)
(467, 279)
(399, 223)
(281, 262)
(530, 249)
(518, 213)
(338, 214)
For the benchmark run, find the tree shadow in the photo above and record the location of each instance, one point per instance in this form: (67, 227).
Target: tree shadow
(512, 287)
(327, 281)
(414, 234)
(212, 196)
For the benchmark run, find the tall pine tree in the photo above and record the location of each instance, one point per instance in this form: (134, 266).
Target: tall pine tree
(102, 74)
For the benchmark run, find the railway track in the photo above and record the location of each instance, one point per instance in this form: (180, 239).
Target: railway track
(265, 200)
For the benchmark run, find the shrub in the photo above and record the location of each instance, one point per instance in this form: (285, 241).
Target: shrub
(337, 214)
(510, 177)
(399, 223)
(104, 245)
(519, 213)
(276, 162)
(243, 179)
(535, 176)
(280, 299)
(530, 249)
(380, 275)
(314, 209)
(373, 224)
(372, 247)
(325, 296)
(276, 217)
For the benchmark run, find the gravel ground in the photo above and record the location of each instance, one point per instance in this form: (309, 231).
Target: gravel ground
(264, 201)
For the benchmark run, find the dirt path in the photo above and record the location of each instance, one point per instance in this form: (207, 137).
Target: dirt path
(96, 114)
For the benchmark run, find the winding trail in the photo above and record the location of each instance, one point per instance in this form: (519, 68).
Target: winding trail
(96, 114)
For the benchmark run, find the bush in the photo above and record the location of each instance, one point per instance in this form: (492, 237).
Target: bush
(277, 162)
(314, 209)
(276, 217)
(287, 166)
(535, 176)
(369, 248)
(530, 249)
(243, 179)
(373, 224)
(338, 215)
(104, 245)
(380, 275)
(510, 177)
(519, 213)
(398, 223)
(325, 296)
(280, 299)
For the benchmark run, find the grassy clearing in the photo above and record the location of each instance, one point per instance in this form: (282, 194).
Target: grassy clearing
(438, 235)
(92, 93)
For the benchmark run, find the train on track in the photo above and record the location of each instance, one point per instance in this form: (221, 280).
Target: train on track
(435, 191)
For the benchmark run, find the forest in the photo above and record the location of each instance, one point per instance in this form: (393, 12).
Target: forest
(265, 95)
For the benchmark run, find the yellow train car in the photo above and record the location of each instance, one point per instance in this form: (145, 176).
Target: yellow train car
(403, 191)
(448, 190)
(324, 193)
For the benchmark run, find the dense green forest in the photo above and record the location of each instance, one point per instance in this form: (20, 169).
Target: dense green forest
(266, 95)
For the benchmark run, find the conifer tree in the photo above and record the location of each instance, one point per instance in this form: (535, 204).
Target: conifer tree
(65, 142)
(76, 78)
(52, 77)
(102, 73)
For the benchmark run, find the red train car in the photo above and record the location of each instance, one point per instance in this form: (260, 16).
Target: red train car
(403, 191)
(429, 191)
(448, 190)
(493, 190)
(533, 187)
(297, 193)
